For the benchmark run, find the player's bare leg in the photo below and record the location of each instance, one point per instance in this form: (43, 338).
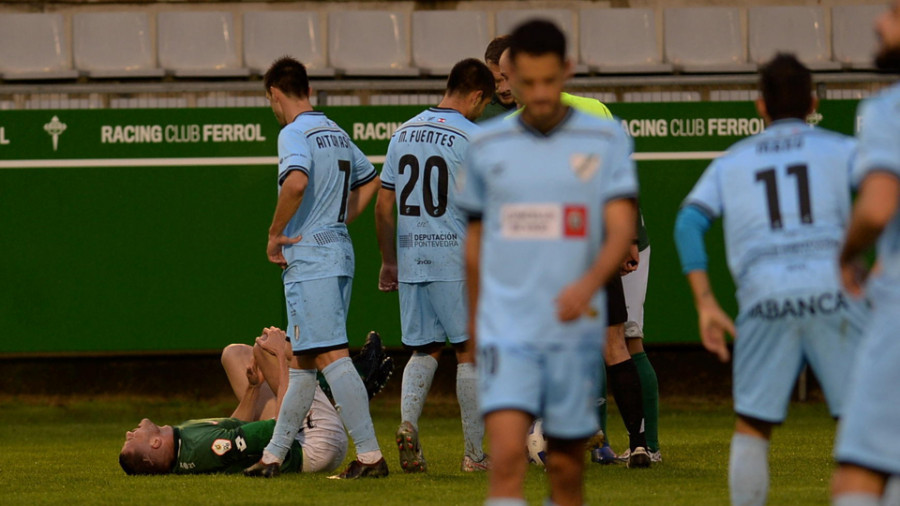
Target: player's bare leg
(506, 431)
(236, 359)
(565, 469)
(748, 467)
(857, 486)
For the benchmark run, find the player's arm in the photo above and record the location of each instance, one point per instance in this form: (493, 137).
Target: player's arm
(691, 225)
(360, 196)
(292, 189)
(246, 409)
(878, 198)
(619, 218)
(472, 259)
(386, 230)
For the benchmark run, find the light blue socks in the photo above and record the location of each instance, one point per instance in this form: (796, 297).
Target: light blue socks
(748, 470)
(472, 424)
(294, 408)
(417, 377)
(352, 404)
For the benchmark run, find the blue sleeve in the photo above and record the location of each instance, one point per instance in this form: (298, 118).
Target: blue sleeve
(470, 187)
(388, 177)
(878, 147)
(691, 225)
(293, 154)
(621, 175)
(363, 170)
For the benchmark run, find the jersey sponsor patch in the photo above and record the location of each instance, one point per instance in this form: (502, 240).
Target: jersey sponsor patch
(584, 166)
(531, 221)
(575, 221)
(221, 446)
(240, 443)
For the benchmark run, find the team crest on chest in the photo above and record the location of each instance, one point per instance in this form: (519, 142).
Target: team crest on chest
(584, 166)
(221, 446)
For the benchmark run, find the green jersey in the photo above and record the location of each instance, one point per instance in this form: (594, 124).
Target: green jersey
(226, 445)
(495, 108)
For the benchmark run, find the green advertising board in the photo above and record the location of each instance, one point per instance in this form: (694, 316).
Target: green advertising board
(144, 230)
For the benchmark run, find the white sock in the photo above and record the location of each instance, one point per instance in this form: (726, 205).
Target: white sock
(856, 499)
(472, 424)
(294, 408)
(504, 501)
(748, 470)
(352, 404)
(417, 376)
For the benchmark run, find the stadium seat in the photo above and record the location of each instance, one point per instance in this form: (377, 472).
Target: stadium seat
(198, 44)
(602, 32)
(507, 20)
(853, 36)
(442, 38)
(34, 46)
(369, 43)
(795, 29)
(705, 40)
(114, 44)
(269, 35)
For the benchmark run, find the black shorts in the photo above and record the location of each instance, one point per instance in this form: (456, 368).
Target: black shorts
(616, 310)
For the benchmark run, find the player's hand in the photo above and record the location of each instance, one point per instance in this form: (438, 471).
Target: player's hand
(387, 278)
(853, 276)
(574, 301)
(631, 261)
(272, 341)
(714, 323)
(275, 245)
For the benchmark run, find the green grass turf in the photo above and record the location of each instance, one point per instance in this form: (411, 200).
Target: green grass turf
(64, 451)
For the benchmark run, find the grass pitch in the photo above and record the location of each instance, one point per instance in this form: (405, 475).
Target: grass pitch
(64, 451)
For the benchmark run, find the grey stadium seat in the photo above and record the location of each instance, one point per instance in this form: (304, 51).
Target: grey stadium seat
(34, 46)
(198, 44)
(705, 40)
(794, 29)
(507, 21)
(369, 43)
(269, 35)
(114, 44)
(442, 38)
(853, 36)
(601, 32)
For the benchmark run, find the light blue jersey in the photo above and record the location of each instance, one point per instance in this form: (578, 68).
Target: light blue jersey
(421, 165)
(784, 196)
(541, 198)
(316, 146)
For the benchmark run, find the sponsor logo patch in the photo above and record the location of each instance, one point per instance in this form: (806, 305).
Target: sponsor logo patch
(531, 221)
(221, 446)
(575, 221)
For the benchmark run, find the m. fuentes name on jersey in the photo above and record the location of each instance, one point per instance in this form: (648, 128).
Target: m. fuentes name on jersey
(823, 303)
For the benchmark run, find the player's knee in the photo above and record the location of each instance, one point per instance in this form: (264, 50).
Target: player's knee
(234, 352)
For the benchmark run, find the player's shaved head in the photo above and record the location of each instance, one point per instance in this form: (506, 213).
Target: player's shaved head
(495, 48)
(470, 75)
(289, 76)
(536, 38)
(786, 87)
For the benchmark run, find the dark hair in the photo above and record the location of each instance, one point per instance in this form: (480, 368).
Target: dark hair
(786, 87)
(289, 76)
(496, 48)
(134, 463)
(470, 75)
(538, 37)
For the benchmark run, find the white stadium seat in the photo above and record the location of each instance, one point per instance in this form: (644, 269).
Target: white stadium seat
(198, 44)
(798, 30)
(114, 44)
(705, 40)
(34, 46)
(853, 36)
(369, 43)
(269, 35)
(601, 32)
(507, 21)
(442, 38)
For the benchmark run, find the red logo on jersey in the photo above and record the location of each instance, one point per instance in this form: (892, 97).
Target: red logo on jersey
(441, 120)
(575, 224)
(221, 446)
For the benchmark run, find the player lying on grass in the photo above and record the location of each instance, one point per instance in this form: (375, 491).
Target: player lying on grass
(258, 376)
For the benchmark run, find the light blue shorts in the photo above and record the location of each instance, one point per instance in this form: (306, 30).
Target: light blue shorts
(556, 382)
(778, 336)
(317, 312)
(433, 312)
(868, 432)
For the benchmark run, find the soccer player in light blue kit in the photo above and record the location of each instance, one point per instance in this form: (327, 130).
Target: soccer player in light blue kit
(784, 197)
(550, 200)
(324, 182)
(420, 173)
(868, 442)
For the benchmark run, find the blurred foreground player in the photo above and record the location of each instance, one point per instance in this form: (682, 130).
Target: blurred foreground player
(868, 441)
(422, 162)
(550, 199)
(784, 197)
(324, 182)
(228, 445)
